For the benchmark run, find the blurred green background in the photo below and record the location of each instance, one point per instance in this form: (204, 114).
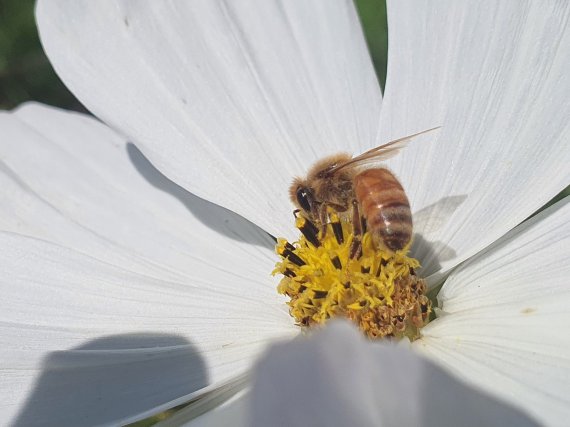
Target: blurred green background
(26, 74)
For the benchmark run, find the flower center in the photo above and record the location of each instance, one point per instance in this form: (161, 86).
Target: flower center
(377, 289)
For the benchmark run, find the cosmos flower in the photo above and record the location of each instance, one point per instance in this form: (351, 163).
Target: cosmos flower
(123, 294)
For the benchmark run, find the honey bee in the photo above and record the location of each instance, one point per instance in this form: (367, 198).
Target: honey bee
(349, 185)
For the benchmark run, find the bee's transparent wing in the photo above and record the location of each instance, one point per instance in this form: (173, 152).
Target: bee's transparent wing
(380, 153)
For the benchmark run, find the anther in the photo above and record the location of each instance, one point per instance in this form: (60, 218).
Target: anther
(294, 258)
(383, 263)
(336, 262)
(337, 228)
(425, 307)
(309, 230)
(289, 273)
(286, 250)
(289, 246)
(320, 294)
(355, 248)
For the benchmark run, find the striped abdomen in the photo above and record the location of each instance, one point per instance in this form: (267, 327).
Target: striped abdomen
(385, 206)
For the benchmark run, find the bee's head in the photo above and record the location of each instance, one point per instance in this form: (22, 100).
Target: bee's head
(302, 196)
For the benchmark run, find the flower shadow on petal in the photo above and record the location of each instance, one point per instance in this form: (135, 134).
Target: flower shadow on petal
(111, 378)
(213, 216)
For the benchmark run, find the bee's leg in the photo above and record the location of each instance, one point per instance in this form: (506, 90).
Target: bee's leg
(323, 215)
(295, 212)
(356, 246)
(356, 219)
(323, 219)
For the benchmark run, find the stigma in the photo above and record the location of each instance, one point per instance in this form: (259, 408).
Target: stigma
(377, 289)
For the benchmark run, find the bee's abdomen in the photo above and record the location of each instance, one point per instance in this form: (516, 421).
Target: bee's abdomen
(385, 206)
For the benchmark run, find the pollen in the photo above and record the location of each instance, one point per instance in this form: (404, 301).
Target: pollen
(325, 278)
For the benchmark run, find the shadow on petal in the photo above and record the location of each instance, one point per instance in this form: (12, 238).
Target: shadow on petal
(430, 254)
(213, 216)
(430, 220)
(111, 378)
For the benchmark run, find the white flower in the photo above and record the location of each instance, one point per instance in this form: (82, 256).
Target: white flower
(122, 294)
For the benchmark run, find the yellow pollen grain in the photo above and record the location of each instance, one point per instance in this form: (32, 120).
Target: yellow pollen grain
(379, 290)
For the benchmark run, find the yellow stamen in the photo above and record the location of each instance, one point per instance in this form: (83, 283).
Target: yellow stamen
(378, 290)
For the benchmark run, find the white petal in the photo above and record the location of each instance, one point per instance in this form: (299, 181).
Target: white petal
(69, 179)
(228, 99)
(126, 256)
(506, 316)
(337, 378)
(82, 339)
(495, 76)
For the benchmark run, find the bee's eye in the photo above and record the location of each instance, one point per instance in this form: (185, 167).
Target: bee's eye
(304, 198)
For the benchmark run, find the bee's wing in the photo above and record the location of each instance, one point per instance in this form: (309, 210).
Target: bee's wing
(381, 153)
